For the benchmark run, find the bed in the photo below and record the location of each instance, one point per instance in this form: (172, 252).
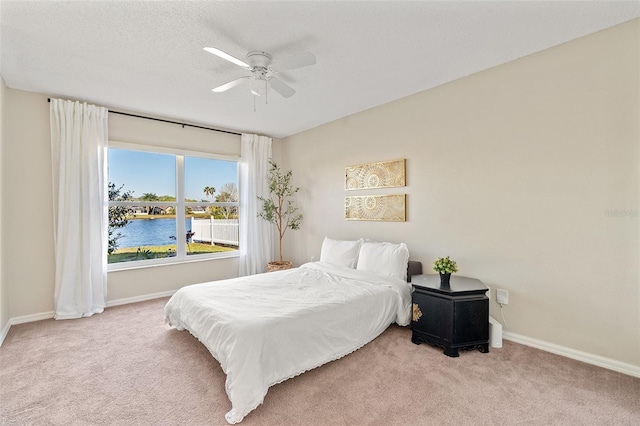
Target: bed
(267, 328)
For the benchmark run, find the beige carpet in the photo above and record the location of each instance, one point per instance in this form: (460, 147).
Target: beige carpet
(125, 367)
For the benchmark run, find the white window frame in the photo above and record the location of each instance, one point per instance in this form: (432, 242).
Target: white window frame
(180, 205)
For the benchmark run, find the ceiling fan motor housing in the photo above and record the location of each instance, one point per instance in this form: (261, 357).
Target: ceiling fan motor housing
(258, 59)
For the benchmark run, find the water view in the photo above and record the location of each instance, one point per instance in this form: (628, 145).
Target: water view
(150, 232)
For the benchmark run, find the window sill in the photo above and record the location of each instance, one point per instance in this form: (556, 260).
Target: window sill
(128, 266)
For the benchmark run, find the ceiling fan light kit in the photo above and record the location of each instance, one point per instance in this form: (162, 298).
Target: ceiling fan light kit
(259, 85)
(262, 73)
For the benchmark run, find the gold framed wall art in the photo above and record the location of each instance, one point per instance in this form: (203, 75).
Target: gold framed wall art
(385, 174)
(389, 208)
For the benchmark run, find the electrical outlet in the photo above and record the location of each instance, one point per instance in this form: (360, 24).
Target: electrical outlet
(502, 296)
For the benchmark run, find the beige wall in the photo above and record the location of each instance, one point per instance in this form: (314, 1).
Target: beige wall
(511, 172)
(4, 290)
(27, 206)
(28, 267)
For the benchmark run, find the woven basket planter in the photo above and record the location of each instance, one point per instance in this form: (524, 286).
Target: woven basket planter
(279, 266)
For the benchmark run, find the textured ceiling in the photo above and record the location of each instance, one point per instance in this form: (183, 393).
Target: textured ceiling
(147, 57)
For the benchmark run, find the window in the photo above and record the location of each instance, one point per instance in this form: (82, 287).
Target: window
(167, 207)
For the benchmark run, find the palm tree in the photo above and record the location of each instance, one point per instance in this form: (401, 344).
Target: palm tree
(209, 191)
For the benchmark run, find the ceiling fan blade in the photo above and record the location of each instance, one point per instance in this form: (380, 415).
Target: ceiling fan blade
(292, 62)
(229, 85)
(283, 89)
(225, 55)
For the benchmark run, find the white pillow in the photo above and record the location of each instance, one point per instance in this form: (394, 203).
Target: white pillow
(340, 252)
(384, 258)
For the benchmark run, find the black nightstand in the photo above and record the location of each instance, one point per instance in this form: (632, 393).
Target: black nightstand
(454, 317)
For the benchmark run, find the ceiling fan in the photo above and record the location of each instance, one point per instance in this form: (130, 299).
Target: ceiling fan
(263, 71)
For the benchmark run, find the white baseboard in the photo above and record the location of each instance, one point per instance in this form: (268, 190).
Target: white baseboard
(47, 315)
(4, 332)
(142, 298)
(33, 317)
(600, 361)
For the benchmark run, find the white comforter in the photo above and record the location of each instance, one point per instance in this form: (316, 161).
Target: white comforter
(267, 328)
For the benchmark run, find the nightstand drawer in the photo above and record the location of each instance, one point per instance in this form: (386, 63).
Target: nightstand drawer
(435, 319)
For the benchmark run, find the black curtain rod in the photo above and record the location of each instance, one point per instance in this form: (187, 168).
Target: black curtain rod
(169, 121)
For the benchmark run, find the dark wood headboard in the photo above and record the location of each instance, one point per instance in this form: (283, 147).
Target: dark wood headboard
(413, 268)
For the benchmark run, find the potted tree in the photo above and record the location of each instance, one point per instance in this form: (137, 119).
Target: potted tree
(279, 209)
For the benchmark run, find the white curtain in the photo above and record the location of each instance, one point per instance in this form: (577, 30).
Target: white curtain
(78, 155)
(256, 234)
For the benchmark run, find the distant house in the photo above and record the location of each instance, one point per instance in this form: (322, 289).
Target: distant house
(153, 210)
(198, 210)
(139, 211)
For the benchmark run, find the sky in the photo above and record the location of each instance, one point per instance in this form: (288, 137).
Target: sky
(143, 172)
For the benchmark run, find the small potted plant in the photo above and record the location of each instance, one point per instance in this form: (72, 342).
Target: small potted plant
(445, 267)
(279, 209)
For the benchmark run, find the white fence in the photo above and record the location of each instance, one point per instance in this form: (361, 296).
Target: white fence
(221, 231)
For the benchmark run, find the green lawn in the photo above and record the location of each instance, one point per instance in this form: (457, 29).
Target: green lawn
(158, 252)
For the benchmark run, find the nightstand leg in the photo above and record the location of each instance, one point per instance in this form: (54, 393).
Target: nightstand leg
(452, 352)
(415, 340)
(484, 349)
